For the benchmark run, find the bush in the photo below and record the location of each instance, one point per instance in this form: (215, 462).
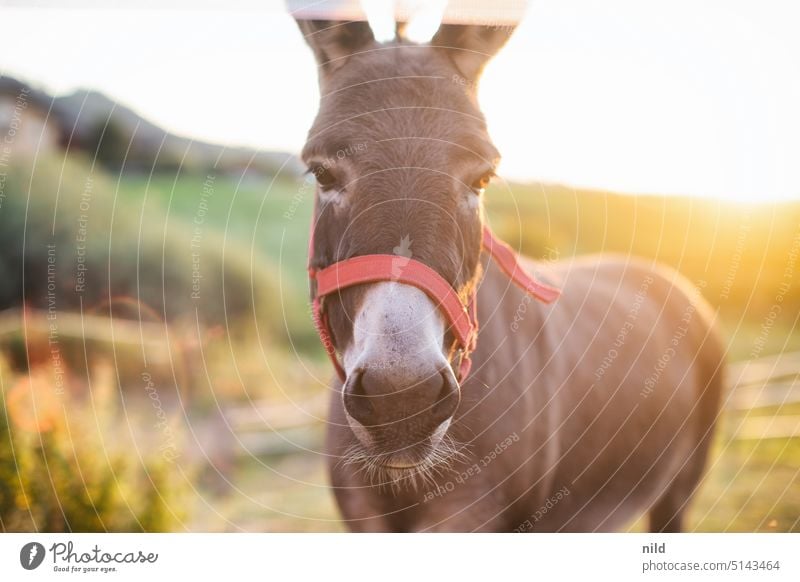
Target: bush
(66, 465)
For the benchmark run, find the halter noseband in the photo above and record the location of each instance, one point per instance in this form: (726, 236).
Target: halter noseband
(463, 318)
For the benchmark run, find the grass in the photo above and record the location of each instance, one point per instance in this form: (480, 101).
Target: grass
(751, 486)
(268, 217)
(275, 493)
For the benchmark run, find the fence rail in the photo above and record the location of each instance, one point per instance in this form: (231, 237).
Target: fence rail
(32, 325)
(764, 395)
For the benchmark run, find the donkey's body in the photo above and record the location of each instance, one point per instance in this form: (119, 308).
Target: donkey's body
(577, 415)
(584, 444)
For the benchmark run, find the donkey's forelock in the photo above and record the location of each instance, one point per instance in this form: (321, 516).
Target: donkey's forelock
(398, 91)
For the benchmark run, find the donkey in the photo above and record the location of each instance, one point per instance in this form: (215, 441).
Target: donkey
(578, 415)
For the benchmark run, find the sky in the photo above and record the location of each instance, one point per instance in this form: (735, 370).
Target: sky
(694, 97)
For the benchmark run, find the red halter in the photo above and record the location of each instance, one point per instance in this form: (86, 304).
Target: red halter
(463, 319)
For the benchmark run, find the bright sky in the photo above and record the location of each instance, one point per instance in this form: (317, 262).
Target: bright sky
(677, 96)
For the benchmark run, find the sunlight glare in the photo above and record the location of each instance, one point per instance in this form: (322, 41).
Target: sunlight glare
(380, 19)
(424, 20)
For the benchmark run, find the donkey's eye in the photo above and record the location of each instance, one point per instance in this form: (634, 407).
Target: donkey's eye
(324, 177)
(481, 183)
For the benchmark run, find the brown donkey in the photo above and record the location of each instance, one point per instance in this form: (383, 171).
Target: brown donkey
(578, 415)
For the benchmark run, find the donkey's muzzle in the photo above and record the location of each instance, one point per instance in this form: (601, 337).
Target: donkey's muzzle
(415, 404)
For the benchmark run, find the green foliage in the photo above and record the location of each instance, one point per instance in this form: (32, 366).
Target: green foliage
(108, 143)
(116, 147)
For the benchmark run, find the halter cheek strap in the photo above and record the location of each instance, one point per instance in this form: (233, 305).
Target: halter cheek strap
(462, 318)
(505, 258)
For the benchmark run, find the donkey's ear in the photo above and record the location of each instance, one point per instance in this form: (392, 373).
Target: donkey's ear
(334, 41)
(471, 46)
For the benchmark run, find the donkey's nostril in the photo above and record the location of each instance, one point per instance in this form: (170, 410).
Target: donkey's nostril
(448, 398)
(374, 399)
(357, 401)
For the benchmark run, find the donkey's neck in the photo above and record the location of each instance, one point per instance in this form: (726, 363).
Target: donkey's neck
(508, 317)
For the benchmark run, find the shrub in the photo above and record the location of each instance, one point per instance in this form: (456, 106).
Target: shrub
(65, 465)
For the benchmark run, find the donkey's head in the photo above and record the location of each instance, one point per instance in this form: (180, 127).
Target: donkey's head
(401, 156)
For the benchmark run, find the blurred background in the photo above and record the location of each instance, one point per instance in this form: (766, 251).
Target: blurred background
(159, 370)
